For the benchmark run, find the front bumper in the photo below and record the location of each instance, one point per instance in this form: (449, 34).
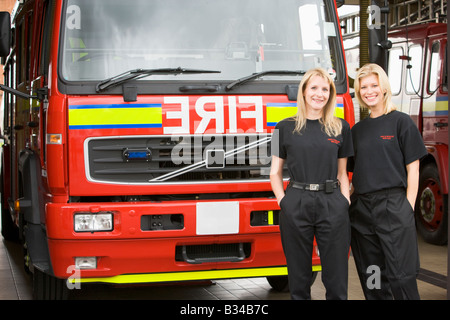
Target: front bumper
(133, 253)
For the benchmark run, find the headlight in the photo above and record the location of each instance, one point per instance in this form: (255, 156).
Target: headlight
(90, 222)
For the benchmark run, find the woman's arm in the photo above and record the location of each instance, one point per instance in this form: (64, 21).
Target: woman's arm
(343, 177)
(412, 170)
(276, 177)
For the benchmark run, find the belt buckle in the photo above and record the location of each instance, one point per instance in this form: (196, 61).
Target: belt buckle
(314, 187)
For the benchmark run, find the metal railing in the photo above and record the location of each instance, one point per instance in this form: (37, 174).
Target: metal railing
(401, 12)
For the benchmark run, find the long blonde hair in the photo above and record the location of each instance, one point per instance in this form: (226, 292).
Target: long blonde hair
(332, 126)
(383, 80)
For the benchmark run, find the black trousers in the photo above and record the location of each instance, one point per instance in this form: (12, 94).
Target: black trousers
(306, 214)
(384, 245)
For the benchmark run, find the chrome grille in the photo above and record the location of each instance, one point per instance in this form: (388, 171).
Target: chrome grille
(159, 159)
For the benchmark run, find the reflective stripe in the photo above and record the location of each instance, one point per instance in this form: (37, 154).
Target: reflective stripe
(436, 108)
(187, 276)
(270, 217)
(115, 116)
(279, 111)
(339, 110)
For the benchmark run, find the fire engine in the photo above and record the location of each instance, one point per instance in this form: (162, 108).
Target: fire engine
(137, 135)
(417, 69)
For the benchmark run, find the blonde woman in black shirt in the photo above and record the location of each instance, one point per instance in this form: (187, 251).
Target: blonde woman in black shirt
(315, 146)
(388, 147)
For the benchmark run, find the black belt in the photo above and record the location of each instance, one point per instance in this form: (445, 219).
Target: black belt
(328, 186)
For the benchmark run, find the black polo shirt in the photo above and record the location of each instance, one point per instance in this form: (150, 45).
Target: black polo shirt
(311, 155)
(383, 147)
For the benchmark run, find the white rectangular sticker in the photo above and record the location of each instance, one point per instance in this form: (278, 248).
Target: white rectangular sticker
(217, 218)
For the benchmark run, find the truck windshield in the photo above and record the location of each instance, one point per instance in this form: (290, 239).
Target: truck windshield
(104, 38)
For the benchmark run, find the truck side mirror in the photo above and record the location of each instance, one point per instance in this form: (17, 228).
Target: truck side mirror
(5, 34)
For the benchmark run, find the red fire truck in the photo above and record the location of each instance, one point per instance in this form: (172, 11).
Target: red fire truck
(137, 134)
(418, 75)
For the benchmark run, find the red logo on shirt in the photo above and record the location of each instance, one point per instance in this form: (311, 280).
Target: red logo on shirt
(334, 141)
(387, 137)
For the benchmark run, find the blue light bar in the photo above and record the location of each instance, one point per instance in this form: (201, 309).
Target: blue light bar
(137, 154)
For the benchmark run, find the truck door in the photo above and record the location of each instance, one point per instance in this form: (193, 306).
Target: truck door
(435, 104)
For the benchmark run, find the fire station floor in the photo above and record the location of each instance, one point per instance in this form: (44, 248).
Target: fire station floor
(15, 284)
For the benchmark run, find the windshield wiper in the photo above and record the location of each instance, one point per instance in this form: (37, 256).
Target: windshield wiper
(261, 74)
(141, 73)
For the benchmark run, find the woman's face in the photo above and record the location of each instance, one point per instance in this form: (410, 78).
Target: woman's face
(316, 93)
(370, 91)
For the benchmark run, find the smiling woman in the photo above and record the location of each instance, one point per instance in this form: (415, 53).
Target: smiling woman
(314, 80)
(373, 90)
(388, 147)
(314, 145)
(371, 93)
(316, 96)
